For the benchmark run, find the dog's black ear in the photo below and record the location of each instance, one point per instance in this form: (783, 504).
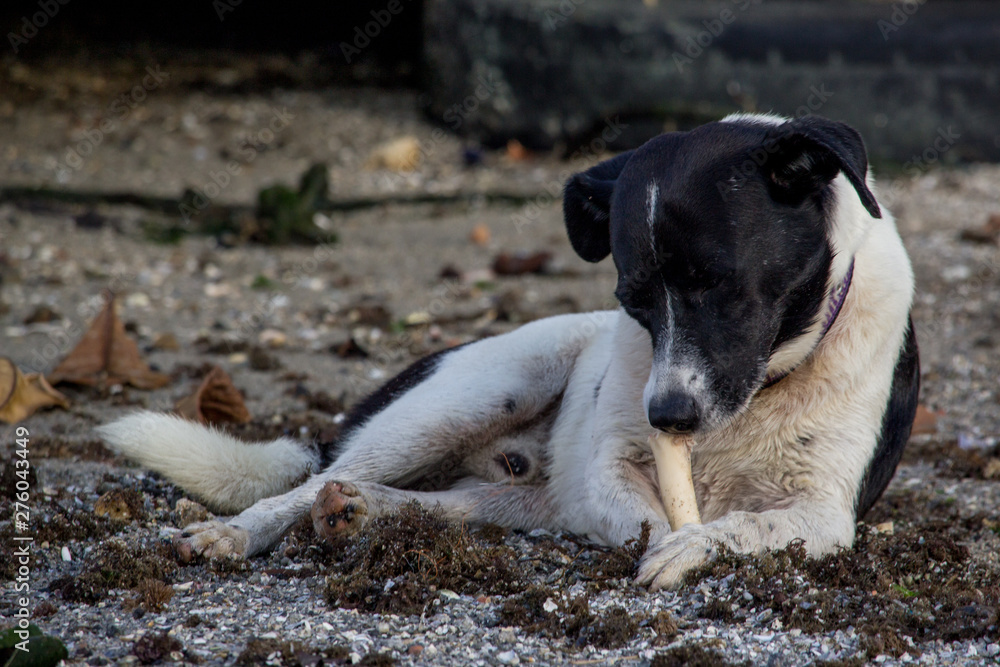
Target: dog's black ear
(807, 153)
(587, 207)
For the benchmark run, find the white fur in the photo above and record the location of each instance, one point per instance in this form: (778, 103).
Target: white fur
(228, 474)
(755, 118)
(652, 194)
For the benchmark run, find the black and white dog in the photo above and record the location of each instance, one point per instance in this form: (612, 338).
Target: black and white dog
(765, 310)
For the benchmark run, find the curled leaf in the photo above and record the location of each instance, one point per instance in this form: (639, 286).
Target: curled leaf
(924, 422)
(216, 401)
(521, 263)
(106, 356)
(22, 395)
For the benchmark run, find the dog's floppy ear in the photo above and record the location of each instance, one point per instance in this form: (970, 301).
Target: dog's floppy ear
(587, 207)
(808, 152)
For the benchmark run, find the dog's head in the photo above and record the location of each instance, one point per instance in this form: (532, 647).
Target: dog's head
(723, 238)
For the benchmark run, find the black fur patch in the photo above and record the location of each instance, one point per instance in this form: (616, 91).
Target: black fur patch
(361, 413)
(600, 383)
(804, 304)
(896, 424)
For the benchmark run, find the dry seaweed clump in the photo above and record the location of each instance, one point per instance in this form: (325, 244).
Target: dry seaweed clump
(542, 610)
(55, 522)
(693, 655)
(290, 654)
(620, 563)
(116, 565)
(896, 590)
(399, 562)
(121, 505)
(155, 646)
(55, 519)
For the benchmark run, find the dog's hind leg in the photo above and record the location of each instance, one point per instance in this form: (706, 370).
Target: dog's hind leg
(427, 423)
(253, 530)
(427, 418)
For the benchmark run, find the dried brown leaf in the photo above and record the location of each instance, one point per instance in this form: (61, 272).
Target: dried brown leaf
(106, 356)
(216, 401)
(22, 395)
(924, 422)
(506, 264)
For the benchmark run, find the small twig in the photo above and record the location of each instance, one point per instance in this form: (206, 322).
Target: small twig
(20, 194)
(425, 555)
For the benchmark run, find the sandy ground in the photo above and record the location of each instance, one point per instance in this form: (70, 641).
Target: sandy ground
(273, 317)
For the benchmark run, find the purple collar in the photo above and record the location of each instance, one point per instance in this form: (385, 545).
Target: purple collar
(836, 298)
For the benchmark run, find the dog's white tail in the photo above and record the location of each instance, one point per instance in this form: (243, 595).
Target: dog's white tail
(228, 474)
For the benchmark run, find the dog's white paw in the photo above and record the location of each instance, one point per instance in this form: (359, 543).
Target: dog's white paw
(211, 539)
(671, 556)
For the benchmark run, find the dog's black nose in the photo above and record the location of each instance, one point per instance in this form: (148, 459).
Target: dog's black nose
(674, 413)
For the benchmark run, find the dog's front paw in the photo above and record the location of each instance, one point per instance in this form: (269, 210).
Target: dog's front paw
(339, 510)
(211, 539)
(673, 555)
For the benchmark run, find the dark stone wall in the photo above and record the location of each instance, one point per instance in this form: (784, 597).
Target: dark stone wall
(920, 80)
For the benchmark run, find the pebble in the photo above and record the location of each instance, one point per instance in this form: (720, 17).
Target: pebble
(508, 658)
(188, 511)
(137, 300)
(218, 290)
(272, 338)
